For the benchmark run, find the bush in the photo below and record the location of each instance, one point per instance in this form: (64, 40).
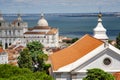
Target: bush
(98, 74)
(9, 72)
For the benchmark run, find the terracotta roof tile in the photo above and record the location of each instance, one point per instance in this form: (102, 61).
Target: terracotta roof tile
(74, 52)
(117, 76)
(30, 29)
(1, 50)
(41, 27)
(35, 33)
(13, 63)
(19, 48)
(52, 31)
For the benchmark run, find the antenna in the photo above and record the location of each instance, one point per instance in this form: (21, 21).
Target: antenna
(0, 13)
(42, 15)
(99, 9)
(1, 18)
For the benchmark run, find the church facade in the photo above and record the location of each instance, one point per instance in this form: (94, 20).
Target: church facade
(44, 33)
(17, 33)
(88, 52)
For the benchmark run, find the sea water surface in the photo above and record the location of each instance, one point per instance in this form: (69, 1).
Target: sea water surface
(72, 26)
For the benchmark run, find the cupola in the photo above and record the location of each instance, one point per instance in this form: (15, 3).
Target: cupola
(1, 17)
(42, 21)
(99, 30)
(19, 17)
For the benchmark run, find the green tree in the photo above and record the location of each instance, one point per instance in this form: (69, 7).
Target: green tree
(71, 41)
(74, 40)
(98, 74)
(9, 72)
(34, 46)
(38, 56)
(118, 41)
(33, 57)
(25, 60)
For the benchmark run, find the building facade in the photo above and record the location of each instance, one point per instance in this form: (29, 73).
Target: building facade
(17, 33)
(44, 33)
(12, 32)
(88, 52)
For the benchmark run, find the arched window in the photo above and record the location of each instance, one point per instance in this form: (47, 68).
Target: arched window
(18, 24)
(9, 32)
(6, 45)
(9, 43)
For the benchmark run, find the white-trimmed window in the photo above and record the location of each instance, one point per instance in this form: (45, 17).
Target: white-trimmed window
(74, 76)
(0, 24)
(58, 76)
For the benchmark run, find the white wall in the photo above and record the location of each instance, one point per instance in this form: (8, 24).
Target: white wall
(97, 62)
(3, 58)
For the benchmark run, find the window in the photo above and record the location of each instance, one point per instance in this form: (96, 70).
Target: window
(9, 32)
(0, 24)
(74, 76)
(107, 61)
(18, 24)
(58, 76)
(6, 32)
(13, 32)
(18, 31)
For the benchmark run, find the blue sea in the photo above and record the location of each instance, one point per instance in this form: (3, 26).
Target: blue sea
(73, 25)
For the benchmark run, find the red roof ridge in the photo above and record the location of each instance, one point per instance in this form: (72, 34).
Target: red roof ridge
(82, 38)
(75, 51)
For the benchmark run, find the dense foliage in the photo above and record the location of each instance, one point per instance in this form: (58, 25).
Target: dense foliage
(0, 44)
(33, 57)
(71, 41)
(98, 74)
(34, 46)
(8, 72)
(25, 60)
(118, 41)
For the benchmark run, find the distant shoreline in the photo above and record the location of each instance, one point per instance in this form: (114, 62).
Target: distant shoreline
(67, 14)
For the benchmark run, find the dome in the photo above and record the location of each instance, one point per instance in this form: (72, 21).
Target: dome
(42, 21)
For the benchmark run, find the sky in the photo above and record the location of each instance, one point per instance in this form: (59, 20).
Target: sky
(59, 6)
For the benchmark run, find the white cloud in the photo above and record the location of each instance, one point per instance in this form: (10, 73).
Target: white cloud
(22, 1)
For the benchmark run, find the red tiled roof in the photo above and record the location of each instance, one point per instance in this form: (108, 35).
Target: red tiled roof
(19, 48)
(1, 50)
(13, 63)
(35, 33)
(52, 31)
(41, 27)
(117, 76)
(74, 52)
(30, 29)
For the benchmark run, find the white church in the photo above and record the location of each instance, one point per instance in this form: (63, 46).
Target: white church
(17, 33)
(88, 52)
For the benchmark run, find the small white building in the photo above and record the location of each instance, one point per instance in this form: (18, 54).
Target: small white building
(88, 52)
(3, 56)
